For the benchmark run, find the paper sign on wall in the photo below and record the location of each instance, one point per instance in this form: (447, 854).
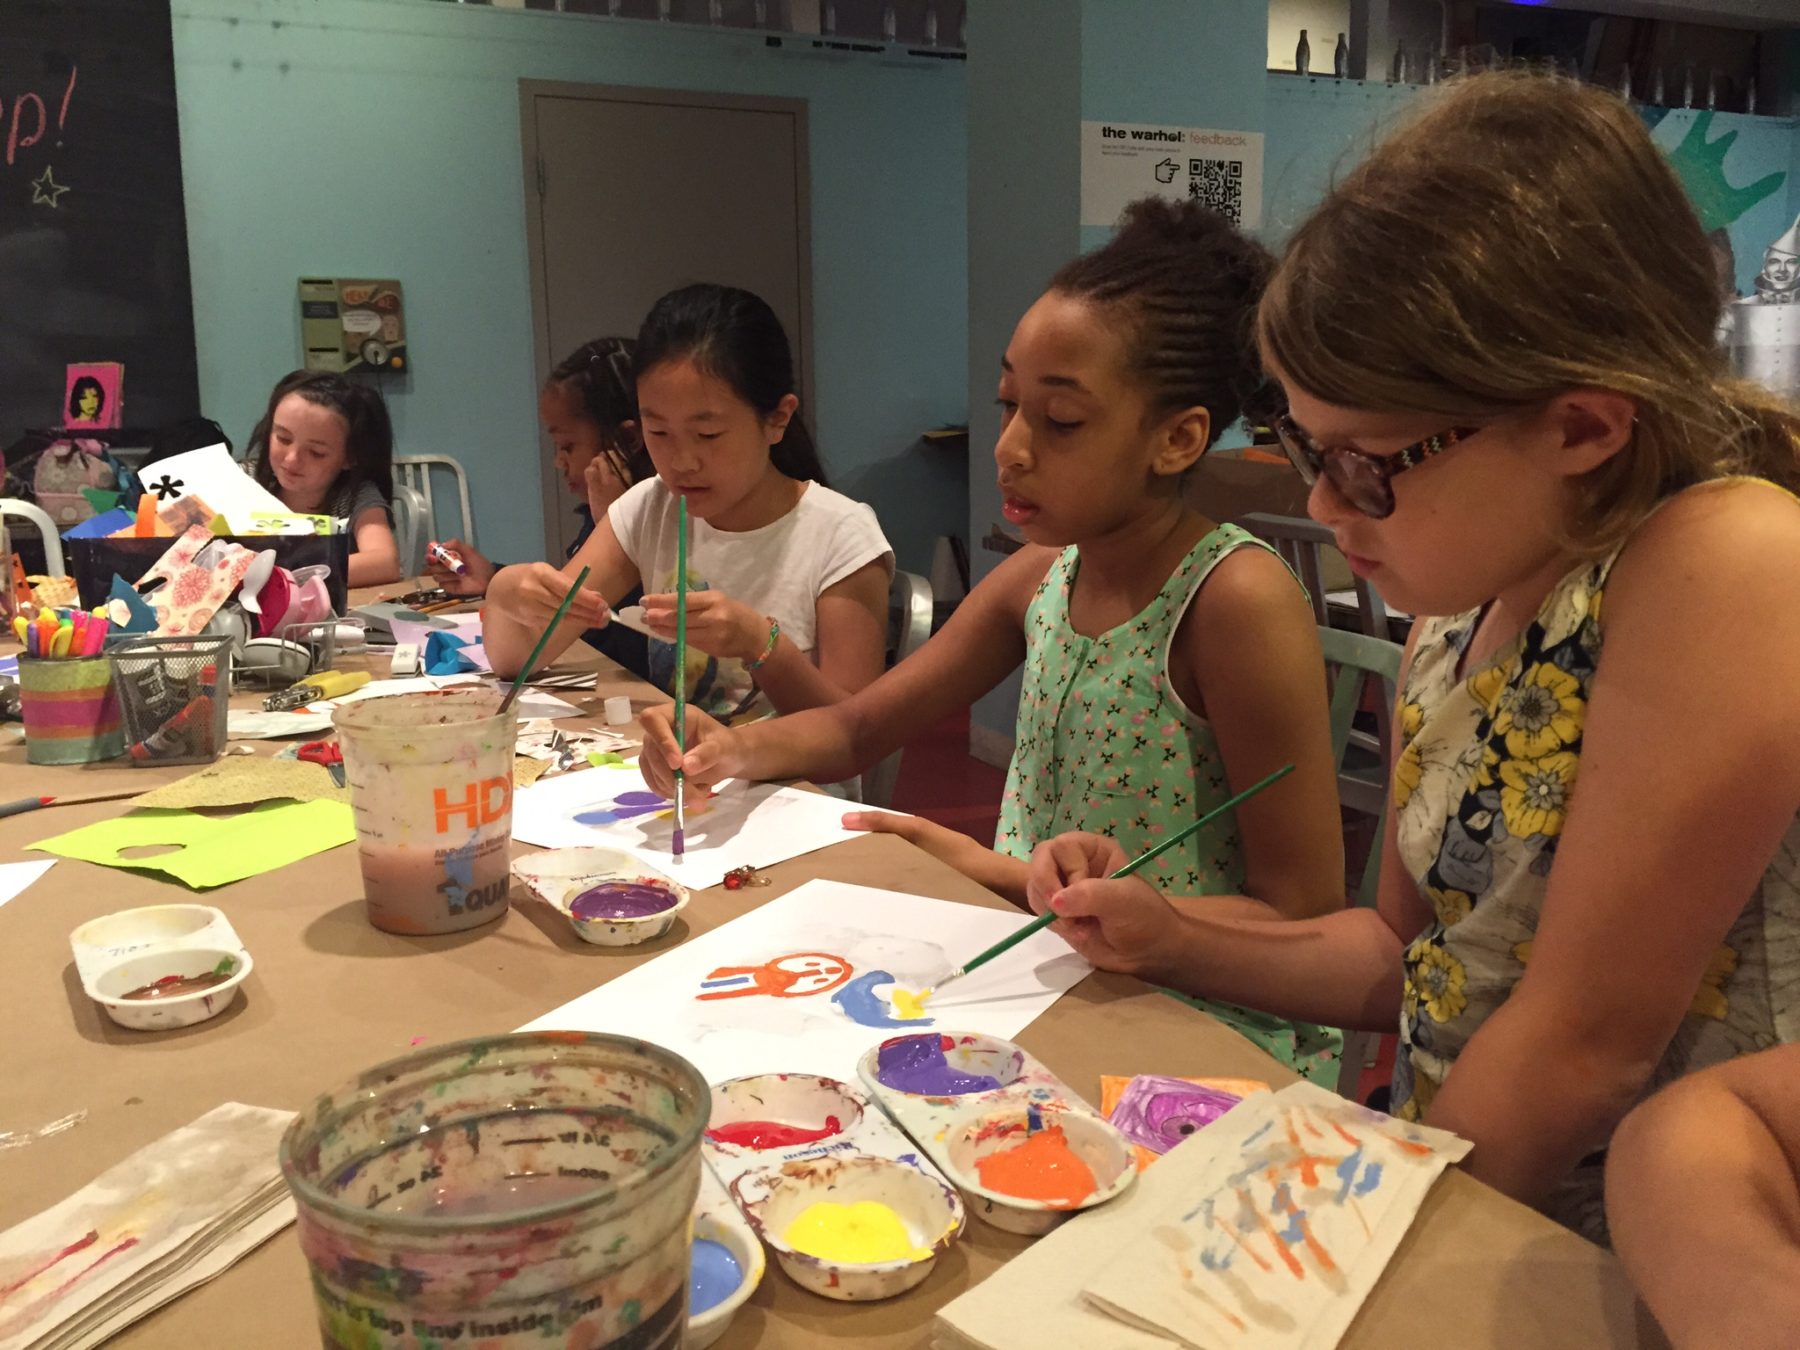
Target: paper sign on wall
(1122, 161)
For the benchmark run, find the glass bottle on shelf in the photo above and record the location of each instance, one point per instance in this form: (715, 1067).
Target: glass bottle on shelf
(1340, 59)
(1302, 55)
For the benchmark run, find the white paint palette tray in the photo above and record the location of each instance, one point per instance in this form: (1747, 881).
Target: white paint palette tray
(103, 942)
(718, 1220)
(965, 1098)
(782, 1143)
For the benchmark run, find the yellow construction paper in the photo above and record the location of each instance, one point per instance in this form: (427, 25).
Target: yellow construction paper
(211, 850)
(245, 780)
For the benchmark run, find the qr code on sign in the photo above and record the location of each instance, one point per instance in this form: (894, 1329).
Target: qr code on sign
(1218, 183)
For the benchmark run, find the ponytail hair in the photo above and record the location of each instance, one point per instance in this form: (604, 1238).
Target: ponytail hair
(733, 336)
(1185, 283)
(601, 374)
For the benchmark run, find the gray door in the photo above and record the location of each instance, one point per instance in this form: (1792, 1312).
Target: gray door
(630, 193)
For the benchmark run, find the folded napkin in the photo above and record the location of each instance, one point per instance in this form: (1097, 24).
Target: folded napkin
(169, 1217)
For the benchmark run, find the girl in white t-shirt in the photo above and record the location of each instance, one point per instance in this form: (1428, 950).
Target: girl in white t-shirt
(787, 580)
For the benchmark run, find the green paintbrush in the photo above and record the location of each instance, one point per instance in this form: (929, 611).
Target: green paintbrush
(1048, 917)
(537, 651)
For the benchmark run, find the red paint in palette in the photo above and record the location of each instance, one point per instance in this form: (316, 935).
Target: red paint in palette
(760, 1134)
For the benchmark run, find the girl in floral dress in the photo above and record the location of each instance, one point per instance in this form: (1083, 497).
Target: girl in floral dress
(1591, 882)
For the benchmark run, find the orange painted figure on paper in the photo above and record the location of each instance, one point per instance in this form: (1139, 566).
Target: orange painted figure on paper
(799, 975)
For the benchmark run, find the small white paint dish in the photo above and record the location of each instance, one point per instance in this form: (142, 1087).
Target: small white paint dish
(168, 968)
(610, 898)
(980, 1133)
(101, 942)
(928, 1209)
(819, 1110)
(716, 1219)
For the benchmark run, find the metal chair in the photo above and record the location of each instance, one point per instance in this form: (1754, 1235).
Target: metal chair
(1301, 544)
(46, 528)
(1352, 660)
(417, 473)
(909, 624)
(412, 528)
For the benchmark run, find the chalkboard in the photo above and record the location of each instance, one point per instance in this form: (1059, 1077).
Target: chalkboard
(93, 235)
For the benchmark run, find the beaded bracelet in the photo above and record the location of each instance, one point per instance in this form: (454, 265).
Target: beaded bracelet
(768, 651)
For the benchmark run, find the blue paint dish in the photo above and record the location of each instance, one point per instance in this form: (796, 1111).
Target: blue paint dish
(713, 1277)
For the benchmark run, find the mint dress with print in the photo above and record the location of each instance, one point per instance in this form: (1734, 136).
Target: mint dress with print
(1489, 766)
(1105, 744)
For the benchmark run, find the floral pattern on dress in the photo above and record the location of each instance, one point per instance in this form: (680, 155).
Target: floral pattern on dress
(1488, 773)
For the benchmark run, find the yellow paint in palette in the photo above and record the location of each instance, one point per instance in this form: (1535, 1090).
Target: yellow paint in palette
(864, 1233)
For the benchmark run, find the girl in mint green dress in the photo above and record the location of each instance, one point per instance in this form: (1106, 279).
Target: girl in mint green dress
(1169, 662)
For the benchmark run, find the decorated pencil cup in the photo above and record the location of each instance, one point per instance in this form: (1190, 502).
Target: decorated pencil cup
(430, 778)
(71, 710)
(520, 1191)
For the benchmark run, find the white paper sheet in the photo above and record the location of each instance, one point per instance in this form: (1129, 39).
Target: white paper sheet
(15, 877)
(754, 824)
(800, 985)
(221, 483)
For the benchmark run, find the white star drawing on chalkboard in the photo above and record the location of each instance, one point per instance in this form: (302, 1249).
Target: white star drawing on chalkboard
(45, 190)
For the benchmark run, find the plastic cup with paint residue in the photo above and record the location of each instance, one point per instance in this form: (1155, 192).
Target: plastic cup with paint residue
(430, 778)
(514, 1192)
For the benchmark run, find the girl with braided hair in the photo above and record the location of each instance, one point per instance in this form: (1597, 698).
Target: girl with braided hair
(588, 409)
(1169, 661)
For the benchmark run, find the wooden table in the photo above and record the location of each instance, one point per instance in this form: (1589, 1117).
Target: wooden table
(331, 995)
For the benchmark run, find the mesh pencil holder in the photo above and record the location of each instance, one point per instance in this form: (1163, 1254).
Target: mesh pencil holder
(173, 696)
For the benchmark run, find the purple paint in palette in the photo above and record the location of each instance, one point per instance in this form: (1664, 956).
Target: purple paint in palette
(621, 900)
(916, 1064)
(1158, 1112)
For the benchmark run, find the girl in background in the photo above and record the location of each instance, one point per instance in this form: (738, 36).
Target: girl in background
(588, 408)
(326, 448)
(788, 580)
(1589, 884)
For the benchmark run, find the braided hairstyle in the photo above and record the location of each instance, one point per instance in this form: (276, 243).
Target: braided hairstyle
(601, 376)
(1185, 284)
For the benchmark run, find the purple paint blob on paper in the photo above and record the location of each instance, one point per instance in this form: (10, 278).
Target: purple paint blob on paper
(1159, 1112)
(621, 900)
(916, 1064)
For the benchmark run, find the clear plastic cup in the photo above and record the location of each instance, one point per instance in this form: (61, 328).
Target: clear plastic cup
(521, 1191)
(430, 778)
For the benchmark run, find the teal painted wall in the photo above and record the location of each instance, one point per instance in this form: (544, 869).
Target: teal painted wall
(381, 137)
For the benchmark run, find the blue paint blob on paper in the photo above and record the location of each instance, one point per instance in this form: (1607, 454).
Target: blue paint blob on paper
(713, 1277)
(861, 1004)
(1371, 1178)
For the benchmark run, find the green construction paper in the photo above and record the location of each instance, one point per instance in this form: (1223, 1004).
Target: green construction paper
(214, 850)
(100, 499)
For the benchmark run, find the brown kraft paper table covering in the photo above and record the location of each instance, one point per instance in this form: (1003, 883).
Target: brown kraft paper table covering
(330, 995)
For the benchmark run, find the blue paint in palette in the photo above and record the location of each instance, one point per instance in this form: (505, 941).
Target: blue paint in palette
(713, 1277)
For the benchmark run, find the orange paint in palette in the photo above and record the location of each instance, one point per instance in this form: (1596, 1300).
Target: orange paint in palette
(1043, 1168)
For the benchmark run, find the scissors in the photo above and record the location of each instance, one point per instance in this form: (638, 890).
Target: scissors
(328, 754)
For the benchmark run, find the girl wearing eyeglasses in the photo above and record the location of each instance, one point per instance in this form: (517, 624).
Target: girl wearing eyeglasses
(1591, 877)
(588, 409)
(1169, 661)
